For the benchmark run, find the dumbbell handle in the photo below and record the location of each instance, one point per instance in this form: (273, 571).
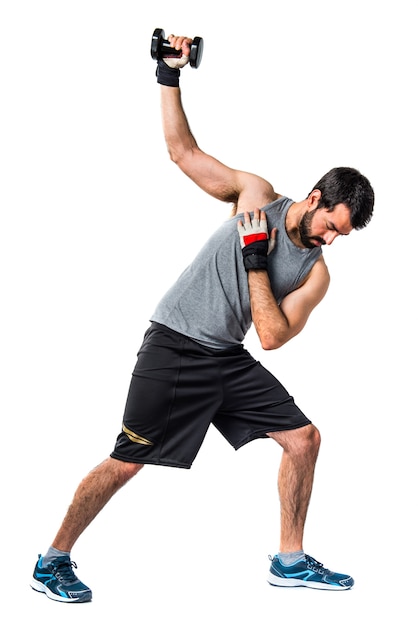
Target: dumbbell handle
(167, 51)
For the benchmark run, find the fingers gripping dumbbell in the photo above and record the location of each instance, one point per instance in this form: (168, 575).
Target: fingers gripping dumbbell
(160, 48)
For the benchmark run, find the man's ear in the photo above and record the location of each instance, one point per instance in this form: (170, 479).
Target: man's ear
(314, 199)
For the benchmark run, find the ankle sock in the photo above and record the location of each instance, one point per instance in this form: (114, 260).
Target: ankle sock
(288, 558)
(52, 554)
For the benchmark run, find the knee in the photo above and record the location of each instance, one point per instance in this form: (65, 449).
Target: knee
(122, 471)
(303, 441)
(129, 470)
(307, 441)
(313, 439)
(132, 469)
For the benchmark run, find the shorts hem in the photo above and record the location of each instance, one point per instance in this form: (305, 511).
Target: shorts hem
(262, 434)
(164, 462)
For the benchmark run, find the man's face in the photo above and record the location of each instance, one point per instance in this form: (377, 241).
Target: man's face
(319, 227)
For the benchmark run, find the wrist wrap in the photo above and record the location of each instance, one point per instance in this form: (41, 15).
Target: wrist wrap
(255, 255)
(166, 75)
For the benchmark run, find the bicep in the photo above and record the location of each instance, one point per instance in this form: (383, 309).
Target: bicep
(299, 304)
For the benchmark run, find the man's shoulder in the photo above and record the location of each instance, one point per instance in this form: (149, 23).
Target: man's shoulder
(256, 193)
(320, 271)
(318, 275)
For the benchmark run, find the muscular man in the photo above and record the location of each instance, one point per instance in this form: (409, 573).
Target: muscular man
(262, 267)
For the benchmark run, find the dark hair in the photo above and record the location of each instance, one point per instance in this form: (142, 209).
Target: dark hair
(345, 185)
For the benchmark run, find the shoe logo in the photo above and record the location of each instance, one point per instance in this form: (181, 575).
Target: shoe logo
(136, 438)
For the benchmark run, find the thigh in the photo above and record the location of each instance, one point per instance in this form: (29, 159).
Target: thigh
(255, 403)
(170, 404)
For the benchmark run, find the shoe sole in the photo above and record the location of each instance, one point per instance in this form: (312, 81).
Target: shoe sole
(41, 588)
(276, 581)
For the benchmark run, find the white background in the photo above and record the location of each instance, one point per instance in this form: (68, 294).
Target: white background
(95, 225)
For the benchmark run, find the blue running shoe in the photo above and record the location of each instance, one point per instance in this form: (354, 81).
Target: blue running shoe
(306, 572)
(59, 582)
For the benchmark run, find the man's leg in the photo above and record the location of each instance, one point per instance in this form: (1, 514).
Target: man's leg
(53, 573)
(292, 567)
(296, 474)
(92, 494)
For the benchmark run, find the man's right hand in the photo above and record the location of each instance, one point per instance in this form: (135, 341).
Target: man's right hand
(168, 68)
(178, 43)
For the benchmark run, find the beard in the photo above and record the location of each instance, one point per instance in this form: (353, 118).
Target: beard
(305, 232)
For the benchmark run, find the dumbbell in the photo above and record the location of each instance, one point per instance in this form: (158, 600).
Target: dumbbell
(161, 48)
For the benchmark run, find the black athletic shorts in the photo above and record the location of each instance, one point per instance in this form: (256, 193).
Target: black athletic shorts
(180, 387)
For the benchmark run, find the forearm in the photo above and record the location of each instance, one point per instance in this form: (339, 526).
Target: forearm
(269, 320)
(177, 133)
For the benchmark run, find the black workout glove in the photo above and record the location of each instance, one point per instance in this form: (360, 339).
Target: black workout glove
(254, 239)
(168, 69)
(166, 75)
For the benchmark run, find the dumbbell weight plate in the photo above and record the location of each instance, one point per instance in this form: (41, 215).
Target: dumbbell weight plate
(157, 36)
(196, 51)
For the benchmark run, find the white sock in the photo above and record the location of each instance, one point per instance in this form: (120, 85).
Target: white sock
(52, 554)
(288, 558)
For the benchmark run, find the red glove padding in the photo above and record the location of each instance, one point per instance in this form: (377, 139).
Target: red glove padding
(254, 239)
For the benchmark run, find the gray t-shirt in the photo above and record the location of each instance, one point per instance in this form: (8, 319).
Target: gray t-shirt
(210, 300)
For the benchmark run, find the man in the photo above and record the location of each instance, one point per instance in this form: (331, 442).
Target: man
(193, 370)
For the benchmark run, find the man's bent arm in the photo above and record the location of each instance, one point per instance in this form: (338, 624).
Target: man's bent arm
(276, 324)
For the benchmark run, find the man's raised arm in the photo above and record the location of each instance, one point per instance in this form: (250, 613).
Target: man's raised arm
(217, 179)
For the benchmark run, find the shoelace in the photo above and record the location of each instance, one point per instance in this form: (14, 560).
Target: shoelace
(315, 565)
(63, 571)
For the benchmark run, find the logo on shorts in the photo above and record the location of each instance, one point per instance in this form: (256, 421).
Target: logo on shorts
(136, 438)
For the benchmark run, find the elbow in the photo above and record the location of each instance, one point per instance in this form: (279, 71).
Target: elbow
(181, 158)
(271, 342)
(274, 340)
(175, 155)
(181, 153)
(269, 346)
(272, 345)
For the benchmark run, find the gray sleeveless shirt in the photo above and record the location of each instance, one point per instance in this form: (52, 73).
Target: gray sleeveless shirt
(210, 301)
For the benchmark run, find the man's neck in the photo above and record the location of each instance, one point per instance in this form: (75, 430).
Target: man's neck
(293, 219)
